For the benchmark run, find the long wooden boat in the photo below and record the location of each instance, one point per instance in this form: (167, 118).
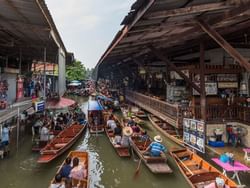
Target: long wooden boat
(95, 117)
(168, 130)
(122, 151)
(197, 171)
(157, 165)
(61, 143)
(83, 159)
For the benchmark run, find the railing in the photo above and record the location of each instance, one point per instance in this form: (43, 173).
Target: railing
(216, 113)
(174, 114)
(162, 109)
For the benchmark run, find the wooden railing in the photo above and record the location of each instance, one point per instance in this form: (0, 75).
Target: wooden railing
(219, 113)
(174, 114)
(163, 110)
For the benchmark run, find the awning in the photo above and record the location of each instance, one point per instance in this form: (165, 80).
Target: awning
(94, 106)
(59, 104)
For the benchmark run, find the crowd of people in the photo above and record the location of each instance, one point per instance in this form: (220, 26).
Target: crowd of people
(49, 125)
(122, 136)
(72, 174)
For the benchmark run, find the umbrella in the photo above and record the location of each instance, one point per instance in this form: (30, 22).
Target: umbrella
(59, 104)
(102, 97)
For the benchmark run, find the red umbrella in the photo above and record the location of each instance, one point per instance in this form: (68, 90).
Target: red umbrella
(58, 104)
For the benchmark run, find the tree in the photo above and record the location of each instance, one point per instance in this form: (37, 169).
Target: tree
(89, 73)
(75, 71)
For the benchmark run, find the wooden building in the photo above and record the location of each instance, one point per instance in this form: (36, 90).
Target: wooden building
(186, 58)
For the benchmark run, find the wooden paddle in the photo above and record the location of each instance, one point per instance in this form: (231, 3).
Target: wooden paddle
(139, 163)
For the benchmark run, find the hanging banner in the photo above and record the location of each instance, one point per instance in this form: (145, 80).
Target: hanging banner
(194, 134)
(40, 106)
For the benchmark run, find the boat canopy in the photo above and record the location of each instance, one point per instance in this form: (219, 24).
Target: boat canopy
(102, 97)
(94, 106)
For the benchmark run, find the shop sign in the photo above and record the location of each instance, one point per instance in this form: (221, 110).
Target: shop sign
(194, 134)
(210, 87)
(40, 106)
(11, 70)
(227, 84)
(227, 78)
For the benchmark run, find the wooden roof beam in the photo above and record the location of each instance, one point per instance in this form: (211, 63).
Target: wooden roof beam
(162, 57)
(197, 9)
(224, 44)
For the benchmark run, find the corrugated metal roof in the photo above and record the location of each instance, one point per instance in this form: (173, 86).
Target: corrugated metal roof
(27, 25)
(172, 25)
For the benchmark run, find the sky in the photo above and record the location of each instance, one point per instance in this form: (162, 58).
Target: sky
(87, 27)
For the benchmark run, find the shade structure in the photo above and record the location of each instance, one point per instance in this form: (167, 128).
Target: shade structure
(94, 106)
(59, 104)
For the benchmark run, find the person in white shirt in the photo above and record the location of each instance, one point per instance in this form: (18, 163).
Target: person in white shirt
(110, 121)
(44, 134)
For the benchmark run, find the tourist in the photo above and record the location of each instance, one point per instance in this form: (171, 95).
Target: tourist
(118, 137)
(44, 134)
(156, 148)
(58, 183)
(78, 171)
(5, 138)
(136, 129)
(127, 132)
(65, 171)
(144, 136)
(131, 122)
(110, 121)
(219, 183)
(58, 127)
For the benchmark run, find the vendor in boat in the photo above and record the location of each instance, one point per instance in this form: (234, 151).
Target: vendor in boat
(127, 132)
(58, 182)
(219, 183)
(156, 149)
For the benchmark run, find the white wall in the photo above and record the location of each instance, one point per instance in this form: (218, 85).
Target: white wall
(62, 74)
(11, 93)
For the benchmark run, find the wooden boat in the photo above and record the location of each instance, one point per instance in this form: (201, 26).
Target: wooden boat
(157, 165)
(83, 159)
(95, 117)
(122, 151)
(38, 145)
(197, 171)
(168, 130)
(141, 114)
(62, 142)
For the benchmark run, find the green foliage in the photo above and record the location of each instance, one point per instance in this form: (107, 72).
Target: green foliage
(76, 71)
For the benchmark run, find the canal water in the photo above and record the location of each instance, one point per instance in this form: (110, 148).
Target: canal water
(20, 169)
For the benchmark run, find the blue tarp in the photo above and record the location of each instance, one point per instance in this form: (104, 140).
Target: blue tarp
(94, 105)
(102, 97)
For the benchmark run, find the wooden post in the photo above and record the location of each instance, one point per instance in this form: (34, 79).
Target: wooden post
(162, 57)
(202, 83)
(224, 44)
